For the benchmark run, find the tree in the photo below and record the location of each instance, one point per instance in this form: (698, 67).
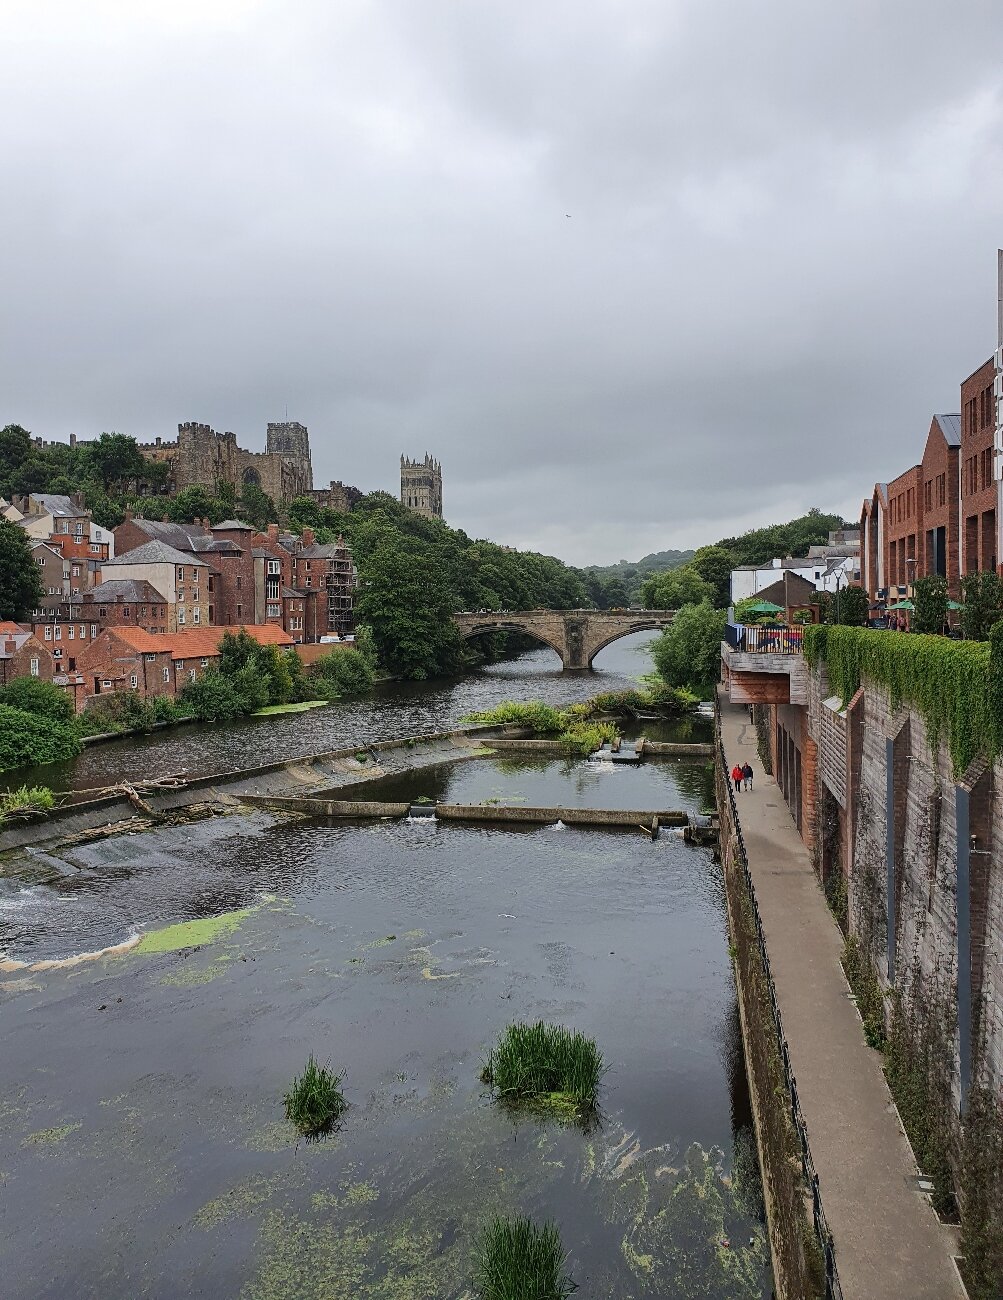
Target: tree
(676, 588)
(689, 652)
(930, 599)
(407, 605)
(27, 739)
(714, 564)
(38, 697)
(341, 673)
(20, 584)
(213, 697)
(113, 459)
(849, 606)
(983, 604)
(15, 445)
(257, 507)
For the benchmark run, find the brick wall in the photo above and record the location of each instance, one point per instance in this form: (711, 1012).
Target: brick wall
(939, 550)
(979, 492)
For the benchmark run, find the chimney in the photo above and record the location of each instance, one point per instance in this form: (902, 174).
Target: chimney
(128, 514)
(273, 532)
(206, 525)
(307, 537)
(10, 646)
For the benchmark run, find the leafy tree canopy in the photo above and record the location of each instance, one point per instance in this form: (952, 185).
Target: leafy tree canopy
(688, 653)
(20, 583)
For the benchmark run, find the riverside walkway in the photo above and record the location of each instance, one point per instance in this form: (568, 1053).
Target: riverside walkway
(889, 1243)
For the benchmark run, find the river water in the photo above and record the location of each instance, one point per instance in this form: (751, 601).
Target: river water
(143, 1145)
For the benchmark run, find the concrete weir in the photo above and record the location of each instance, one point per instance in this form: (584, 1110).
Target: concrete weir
(470, 812)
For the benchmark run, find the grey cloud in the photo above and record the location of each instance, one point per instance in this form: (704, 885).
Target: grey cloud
(779, 262)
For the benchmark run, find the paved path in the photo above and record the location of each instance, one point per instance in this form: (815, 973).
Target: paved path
(889, 1243)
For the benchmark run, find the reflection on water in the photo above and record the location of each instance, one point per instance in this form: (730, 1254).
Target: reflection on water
(400, 951)
(395, 709)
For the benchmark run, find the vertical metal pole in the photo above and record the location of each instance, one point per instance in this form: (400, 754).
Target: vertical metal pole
(890, 854)
(964, 895)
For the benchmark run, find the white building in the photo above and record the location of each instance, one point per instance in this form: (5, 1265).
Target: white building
(836, 564)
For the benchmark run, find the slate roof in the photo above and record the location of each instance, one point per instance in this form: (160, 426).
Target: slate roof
(183, 537)
(136, 590)
(232, 525)
(53, 503)
(156, 552)
(950, 427)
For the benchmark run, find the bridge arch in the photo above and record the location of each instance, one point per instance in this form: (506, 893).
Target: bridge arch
(527, 628)
(642, 625)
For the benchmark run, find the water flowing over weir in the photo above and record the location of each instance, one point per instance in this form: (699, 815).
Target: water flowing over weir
(150, 1108)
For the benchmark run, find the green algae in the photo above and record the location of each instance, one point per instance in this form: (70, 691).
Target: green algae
(50, 1136)
(240, 1202)
(191, 975)
(270, 710)
(380, 943)
(192, 934)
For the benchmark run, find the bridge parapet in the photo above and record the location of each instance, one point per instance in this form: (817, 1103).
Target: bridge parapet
(576, 634)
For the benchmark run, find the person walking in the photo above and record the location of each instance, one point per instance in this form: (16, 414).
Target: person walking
(736, 776)
(747, 775)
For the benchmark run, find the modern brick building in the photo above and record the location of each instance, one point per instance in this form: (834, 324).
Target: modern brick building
(938, 553)
(979, 487)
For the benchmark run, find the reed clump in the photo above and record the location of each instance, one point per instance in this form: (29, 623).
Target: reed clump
(315, 1102)
(517, 1259)
(545, 1066)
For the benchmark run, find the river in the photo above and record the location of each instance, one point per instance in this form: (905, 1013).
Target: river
(143, 1143)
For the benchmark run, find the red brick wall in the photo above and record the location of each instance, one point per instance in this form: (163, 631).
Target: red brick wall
(19, 663)
(979, 492)
(940, 470)
(109, 658)
(904, 519)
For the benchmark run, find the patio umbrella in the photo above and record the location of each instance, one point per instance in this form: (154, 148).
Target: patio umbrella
(765, 607)
(903, 604)
(953, 604)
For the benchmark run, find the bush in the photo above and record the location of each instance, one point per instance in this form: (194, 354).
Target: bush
(26, 739)
(41, 698)
(26, 800)
(688, 654)
(215, 698)
(865, 987)
(315, 1102)
(540, 718)
(516, 1259)
(121, 711)
(545, 1064)
(340, 673)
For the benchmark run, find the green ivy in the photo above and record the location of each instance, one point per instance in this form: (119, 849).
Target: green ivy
(957, 686)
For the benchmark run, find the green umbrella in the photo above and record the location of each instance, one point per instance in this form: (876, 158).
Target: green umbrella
(953, 604)
(765, 607)
(903, 604)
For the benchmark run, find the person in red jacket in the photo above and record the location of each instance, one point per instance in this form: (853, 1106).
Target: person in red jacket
(736, 776)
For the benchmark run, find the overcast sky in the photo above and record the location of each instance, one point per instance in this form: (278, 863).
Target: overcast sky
(639, 272)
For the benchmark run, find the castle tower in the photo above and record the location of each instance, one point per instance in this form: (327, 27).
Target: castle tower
(291, 441)
(421, 486)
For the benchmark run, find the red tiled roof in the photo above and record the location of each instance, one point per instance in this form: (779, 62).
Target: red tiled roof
(197, 642)
(10, 628)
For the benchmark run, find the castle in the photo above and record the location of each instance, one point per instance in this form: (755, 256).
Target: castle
(201, 457)
(421, 486)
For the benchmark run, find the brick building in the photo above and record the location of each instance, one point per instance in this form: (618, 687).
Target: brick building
(979, 488)
(123, 602)
(129, 658)
(905, 525)
(938, 552)
(181, 578)
(23, 655)
(64, 523)
(874, 542)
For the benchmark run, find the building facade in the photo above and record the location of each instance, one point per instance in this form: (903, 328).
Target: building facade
(182, 579)
(421, 486)
(201, 457)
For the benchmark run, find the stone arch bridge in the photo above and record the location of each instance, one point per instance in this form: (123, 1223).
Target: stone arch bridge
(576, 634)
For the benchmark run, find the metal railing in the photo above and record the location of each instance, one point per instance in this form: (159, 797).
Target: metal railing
(751, 638)
(833, 1290)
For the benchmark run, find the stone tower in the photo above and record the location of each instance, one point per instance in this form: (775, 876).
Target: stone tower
(421, 486)
(291, 441)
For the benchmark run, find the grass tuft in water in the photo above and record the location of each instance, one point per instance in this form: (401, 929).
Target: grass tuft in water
(315, 1102)
(517, 1259)
(546, 1065)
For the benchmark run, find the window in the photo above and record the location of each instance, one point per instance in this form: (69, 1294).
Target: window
(82, 632)
(205, 663)
(40, 559)
(76, 571)
(179, 667)
(181, 574)
(273, 611)
(167, 674)
(62, 526)
(107, 685)
(69, 631)
(150, 658)
(181, 614)
(58, 632)
(196, 615)
(94, 630)
(103, 612)
(274, 566)
(133, 680)
(272, 589)
(191, 674)
(48, 631)
(33, 665)
(239, 612)
(58, 654)
(238, 584)
(209, 582)
(94, 548)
